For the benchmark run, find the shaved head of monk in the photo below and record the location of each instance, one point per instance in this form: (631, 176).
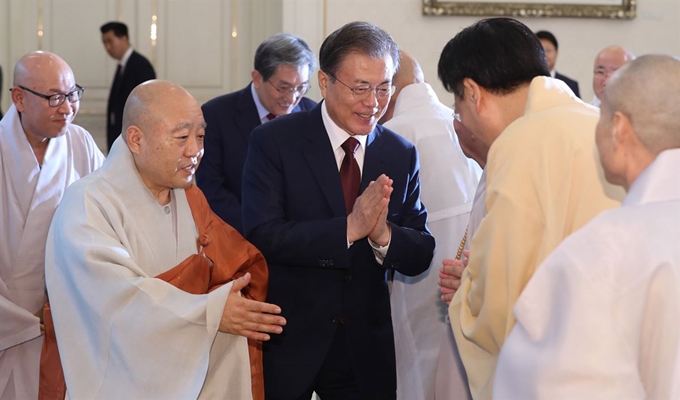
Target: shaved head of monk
(639, 116)
(45, 94)
(164, 128)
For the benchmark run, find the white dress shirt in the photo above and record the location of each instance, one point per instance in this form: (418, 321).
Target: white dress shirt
(338, 136)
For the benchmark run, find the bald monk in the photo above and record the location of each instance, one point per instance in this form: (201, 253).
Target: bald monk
(600, 318)
(41, 154)
(122, 332)
(608, 60)
(418, 315)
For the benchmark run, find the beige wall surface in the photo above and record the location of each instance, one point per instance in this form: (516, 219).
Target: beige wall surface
(208, 45)
(656, 29)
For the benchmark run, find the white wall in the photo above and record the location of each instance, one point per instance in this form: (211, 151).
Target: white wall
(656, 29)
(205, 45)
(195, 46)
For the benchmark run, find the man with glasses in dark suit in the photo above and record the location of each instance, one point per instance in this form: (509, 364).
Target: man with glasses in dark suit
(332, 199)
(283, 65)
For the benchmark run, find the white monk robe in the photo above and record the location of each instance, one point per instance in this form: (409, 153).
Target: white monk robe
(448, 181)
(28, 197)
(123, 334)
(601, 316)
(451, 381)
(544, 181)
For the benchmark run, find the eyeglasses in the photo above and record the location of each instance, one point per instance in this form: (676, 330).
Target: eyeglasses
(297, 91)
(57, 99)
(361, 92)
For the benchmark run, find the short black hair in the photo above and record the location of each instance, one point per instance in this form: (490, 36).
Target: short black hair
(499, 54)
(119, 29)
(283, 49)
(548, 36)
(356, 37)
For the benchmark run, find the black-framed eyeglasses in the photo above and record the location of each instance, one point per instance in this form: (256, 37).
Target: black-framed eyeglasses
(297, 91)
(57, 99)
(361, 92)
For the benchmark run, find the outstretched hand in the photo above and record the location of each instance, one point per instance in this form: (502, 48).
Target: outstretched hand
(250, 318)
(450, 275)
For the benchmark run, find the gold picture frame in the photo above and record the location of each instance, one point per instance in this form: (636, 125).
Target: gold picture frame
(611, 9)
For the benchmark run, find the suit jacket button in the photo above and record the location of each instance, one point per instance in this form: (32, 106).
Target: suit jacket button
(348, 278)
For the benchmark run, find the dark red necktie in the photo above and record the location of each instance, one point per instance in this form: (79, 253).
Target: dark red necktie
(350, 175)
(271, 116)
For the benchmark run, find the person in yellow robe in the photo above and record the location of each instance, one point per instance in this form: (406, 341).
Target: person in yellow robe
(544, 180)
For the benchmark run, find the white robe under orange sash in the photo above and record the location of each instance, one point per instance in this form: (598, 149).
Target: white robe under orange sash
(29, 194)
(121, 332)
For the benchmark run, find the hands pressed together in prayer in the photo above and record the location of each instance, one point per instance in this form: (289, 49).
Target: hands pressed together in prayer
(369, 215)
(250, 318)
(450, 275)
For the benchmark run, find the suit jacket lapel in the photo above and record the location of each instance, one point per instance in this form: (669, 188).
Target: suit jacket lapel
(374, 161)
(321, 159)
(247, 117)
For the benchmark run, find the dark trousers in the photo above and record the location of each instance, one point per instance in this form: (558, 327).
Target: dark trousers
(335, 380)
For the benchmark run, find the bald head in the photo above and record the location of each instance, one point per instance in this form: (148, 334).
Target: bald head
(148, 103)
(409, 72)
(606, 63)
(163, 126)
(647, 91)
(38, 75)
(39, 66)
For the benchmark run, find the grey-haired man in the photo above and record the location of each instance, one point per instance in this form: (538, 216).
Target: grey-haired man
(283, 65)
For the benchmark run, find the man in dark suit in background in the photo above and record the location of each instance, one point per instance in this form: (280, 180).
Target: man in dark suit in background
(332, 199)
(550, 47)
(132, 70)
(283, 65)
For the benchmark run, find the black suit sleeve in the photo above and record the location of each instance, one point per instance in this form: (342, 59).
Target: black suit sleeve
(211, 178)
(576, 91)
(145, 72)
(411, 245)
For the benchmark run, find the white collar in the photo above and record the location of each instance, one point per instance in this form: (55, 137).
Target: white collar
(336, 134)
(595, 101)
(123, 61)
(657, 182)
(261, 111)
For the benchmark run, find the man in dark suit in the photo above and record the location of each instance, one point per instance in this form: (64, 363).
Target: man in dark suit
(133, 69)
(332, 199)
(283, 65)
(550, 47)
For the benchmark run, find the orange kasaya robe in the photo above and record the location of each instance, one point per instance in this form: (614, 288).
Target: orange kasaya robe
(231, 257)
